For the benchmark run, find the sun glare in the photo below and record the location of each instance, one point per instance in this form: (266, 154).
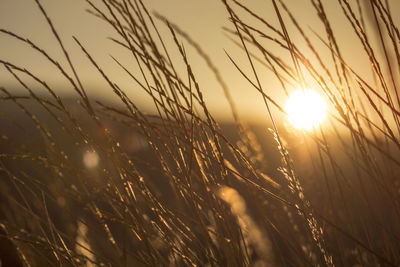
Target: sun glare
(305, 109)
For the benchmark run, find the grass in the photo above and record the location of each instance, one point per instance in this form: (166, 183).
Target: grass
(173, 188)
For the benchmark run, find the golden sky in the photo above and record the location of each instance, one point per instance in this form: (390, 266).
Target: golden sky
(202, 19)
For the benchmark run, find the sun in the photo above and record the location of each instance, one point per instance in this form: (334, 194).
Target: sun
(305, 109)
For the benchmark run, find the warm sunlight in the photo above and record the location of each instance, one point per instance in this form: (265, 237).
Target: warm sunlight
(305, 109)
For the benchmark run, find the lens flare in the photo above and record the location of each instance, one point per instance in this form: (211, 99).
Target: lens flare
(91, 159)
(306, 109)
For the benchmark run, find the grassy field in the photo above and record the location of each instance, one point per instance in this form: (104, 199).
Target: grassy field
(87, 182)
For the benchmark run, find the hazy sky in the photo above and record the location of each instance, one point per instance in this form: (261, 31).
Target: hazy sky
(203, 19)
